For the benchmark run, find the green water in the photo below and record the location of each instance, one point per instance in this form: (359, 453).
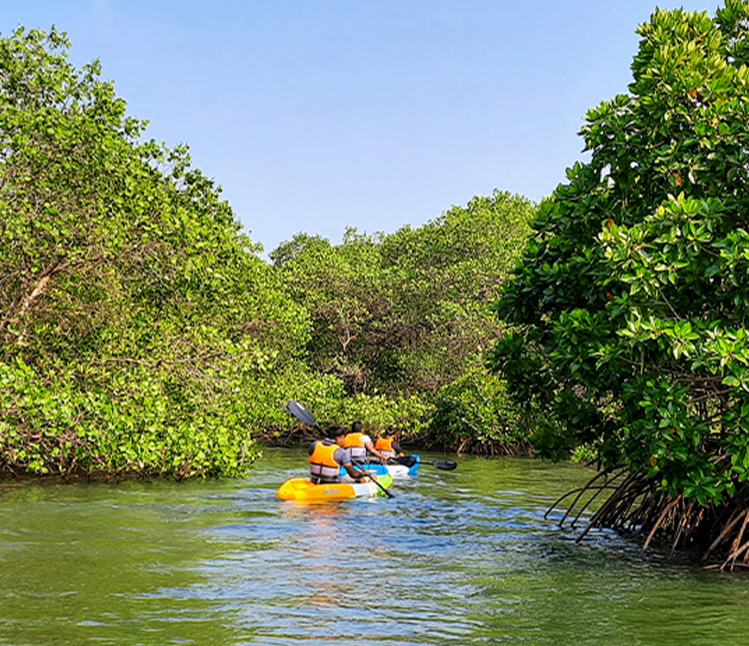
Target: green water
(461, 557)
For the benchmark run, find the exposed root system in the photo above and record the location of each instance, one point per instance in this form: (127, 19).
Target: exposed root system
(716, 534)
(493, 448)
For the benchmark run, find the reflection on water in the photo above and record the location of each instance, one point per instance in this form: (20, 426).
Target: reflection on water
(461, 557)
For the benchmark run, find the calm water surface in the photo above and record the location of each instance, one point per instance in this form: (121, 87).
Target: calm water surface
(461, 557)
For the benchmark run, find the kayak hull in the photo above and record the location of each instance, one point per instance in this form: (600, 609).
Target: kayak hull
(302, 490)
(395, 470)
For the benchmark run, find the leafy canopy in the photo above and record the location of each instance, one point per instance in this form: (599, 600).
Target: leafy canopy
(630, 303)
(406, 312)
(138, 328)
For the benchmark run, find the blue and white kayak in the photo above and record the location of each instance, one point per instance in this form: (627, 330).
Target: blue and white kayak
(395, 470)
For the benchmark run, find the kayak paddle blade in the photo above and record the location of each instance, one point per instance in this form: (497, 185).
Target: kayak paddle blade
(445, 465)
(302, 413)
(405, 460)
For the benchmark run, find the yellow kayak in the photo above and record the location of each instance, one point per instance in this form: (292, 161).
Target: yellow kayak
(303, 490)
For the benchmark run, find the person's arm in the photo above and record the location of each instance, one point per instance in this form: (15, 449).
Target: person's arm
(371, 449)
(343, 457)
(397, 448)
(356, 474)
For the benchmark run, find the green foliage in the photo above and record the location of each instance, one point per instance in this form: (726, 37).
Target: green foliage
(342, 289)
(406, 312)
(630, 302)
(377, 412)
(475, 409)
(444, 276)
(400, 317)
(130, 424)
(138, 329)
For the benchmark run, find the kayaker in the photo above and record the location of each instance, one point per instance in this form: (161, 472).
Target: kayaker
(326, 457)
(361, 447)
(388, 444)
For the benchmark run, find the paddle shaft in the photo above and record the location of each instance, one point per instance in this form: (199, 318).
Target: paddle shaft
(409, 461)
(445, 465)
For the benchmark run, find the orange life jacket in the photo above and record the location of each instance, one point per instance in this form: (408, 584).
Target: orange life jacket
(385, 445)
(322, 464)
(353, 439)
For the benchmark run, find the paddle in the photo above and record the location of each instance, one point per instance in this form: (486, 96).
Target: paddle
(302, 413)
(409, 461)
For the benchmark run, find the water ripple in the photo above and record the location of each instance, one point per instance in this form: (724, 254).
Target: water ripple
(465, 557)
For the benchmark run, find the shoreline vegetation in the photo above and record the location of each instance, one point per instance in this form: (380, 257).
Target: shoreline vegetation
(414, 442)
(629, 310)
(140, 331)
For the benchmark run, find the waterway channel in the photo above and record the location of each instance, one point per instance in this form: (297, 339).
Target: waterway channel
(456, 558)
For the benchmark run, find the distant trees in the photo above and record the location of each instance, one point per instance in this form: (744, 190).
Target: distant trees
(140, 331)
(407, 314)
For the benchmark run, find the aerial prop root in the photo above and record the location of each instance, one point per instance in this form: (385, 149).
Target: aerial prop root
(589, 487)
(636, 504)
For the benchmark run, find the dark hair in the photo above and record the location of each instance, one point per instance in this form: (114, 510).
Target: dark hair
(390, 431)
(356, 426)
(335, 430)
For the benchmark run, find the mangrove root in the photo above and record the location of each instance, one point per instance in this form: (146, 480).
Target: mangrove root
(636, 505)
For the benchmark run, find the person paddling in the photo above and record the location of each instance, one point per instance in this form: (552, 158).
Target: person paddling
(361, 447)
(326, 457)
(389, 445)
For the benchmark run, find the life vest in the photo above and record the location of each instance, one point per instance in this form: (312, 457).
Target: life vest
(355, 444)
(322, 464)
(385, 445)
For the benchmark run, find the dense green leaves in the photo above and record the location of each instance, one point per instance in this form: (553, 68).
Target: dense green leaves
(406, 315)
(407, 312)
(630, 303)
(140, 331)
(137, 326)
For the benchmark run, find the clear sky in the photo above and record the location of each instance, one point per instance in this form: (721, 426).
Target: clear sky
(315, 115)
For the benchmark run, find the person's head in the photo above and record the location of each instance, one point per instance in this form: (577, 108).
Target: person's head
(336, 432)
(390, 432)
(356, 426)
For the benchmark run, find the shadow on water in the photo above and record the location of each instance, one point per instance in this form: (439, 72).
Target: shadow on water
(461, 557)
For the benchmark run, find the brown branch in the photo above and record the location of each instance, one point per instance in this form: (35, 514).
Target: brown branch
(731, 523)
(686, 516)
(632, 496)
(659, 522)
(589, 502)
(56, 267)
(740, 535)
(733, 557)
(609, 504)
(580, 492)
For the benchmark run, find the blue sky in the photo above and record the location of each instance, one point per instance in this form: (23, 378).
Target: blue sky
(315, 115)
